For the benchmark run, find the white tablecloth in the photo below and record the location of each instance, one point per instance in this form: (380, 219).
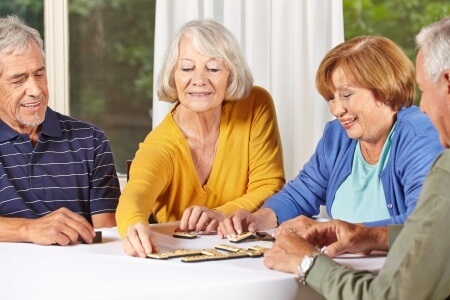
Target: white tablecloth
(104, 271)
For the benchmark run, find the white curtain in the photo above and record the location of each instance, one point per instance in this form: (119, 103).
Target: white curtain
(283, 42)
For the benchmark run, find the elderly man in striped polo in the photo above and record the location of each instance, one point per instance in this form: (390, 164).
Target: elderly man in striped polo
(57, 176)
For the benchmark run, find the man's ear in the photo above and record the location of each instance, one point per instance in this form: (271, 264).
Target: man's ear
(446, 79)
(446, 82)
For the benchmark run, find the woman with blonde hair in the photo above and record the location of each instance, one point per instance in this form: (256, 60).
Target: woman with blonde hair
(218, 150)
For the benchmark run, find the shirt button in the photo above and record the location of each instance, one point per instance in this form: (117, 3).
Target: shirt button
(389, 205)
(20, 139)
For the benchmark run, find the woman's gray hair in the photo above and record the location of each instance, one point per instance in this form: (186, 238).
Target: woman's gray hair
(435, 42)
(17, 38)
(213, 40)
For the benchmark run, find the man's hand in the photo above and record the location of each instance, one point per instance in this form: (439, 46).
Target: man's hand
(297, 225)
(287, 252)
(200, 218)
(62, 227)
(243, 221)
(340, 237)
(139, 241)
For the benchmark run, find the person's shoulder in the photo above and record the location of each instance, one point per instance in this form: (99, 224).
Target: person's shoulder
(256, 94)
(166, 130)
(439, 173)
(70, 122)
(75, 126)
(163, 144)
(259, 90)
(413, 119)
(443, 162)
(257, 102)
(260, 94)
(335, 139)
(335, 128)
(165, 137)
(258, 99)
(412, 115)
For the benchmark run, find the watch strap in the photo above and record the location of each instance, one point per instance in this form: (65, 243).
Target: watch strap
(302, 269)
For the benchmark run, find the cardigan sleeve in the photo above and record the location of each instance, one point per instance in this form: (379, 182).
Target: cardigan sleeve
(150, 174)
(308, 190)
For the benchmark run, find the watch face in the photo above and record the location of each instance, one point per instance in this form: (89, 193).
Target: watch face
(306, 263)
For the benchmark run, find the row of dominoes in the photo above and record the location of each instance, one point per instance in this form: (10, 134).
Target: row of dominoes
(192, 235)
(188, 255)
(261, 236)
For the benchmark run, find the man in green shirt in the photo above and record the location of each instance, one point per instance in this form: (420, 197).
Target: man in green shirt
(418, 262)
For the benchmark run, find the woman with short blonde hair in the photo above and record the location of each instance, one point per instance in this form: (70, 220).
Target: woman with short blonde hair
(218, 150)
(211, 39)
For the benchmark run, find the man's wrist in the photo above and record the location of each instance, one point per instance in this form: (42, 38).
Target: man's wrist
(305, 266)
(375, 238)
(17, 230)
(380, 237)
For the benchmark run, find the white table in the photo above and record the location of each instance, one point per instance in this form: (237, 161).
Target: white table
(104, 271)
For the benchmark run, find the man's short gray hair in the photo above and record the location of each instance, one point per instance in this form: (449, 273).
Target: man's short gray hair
(434, 40)
(17, 38)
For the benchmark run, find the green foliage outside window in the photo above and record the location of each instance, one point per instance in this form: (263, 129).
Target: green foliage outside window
(31, 11)
(110, 65)
(399, 20)
(111, 69)
(111, 54)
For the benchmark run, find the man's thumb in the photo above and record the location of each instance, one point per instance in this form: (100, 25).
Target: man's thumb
(334, 249)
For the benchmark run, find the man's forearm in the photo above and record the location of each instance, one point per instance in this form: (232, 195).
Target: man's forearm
(384, 237)
(14, 229)
(379, 238)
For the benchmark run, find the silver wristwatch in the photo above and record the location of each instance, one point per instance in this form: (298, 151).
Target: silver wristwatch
(305, 265)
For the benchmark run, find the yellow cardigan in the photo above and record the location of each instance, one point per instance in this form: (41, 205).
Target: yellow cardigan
(247, 169)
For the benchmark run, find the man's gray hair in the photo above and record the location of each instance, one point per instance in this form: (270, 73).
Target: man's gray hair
(434, 40)
(17, 38)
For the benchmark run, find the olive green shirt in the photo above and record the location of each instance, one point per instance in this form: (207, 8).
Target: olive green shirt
(418, 263)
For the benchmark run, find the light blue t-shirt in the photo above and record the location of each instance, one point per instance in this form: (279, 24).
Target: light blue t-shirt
(360, 198)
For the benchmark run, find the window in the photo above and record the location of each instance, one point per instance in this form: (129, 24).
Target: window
(32, 12)
(111, 70)
(110, 54)
(110, 60)
(398, 20)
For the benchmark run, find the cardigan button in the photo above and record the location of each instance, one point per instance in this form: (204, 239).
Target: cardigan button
(389, 205)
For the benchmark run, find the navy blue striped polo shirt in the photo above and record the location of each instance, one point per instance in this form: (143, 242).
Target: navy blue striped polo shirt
(71, 166)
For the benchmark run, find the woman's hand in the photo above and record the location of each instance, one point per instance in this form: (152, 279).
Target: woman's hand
(139, 241)
(243, 221)
(200, 218)
(342, 237)
(236, 223)
(297, 225)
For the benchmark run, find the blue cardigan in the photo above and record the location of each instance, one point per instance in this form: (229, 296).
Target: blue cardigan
(415, 146)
